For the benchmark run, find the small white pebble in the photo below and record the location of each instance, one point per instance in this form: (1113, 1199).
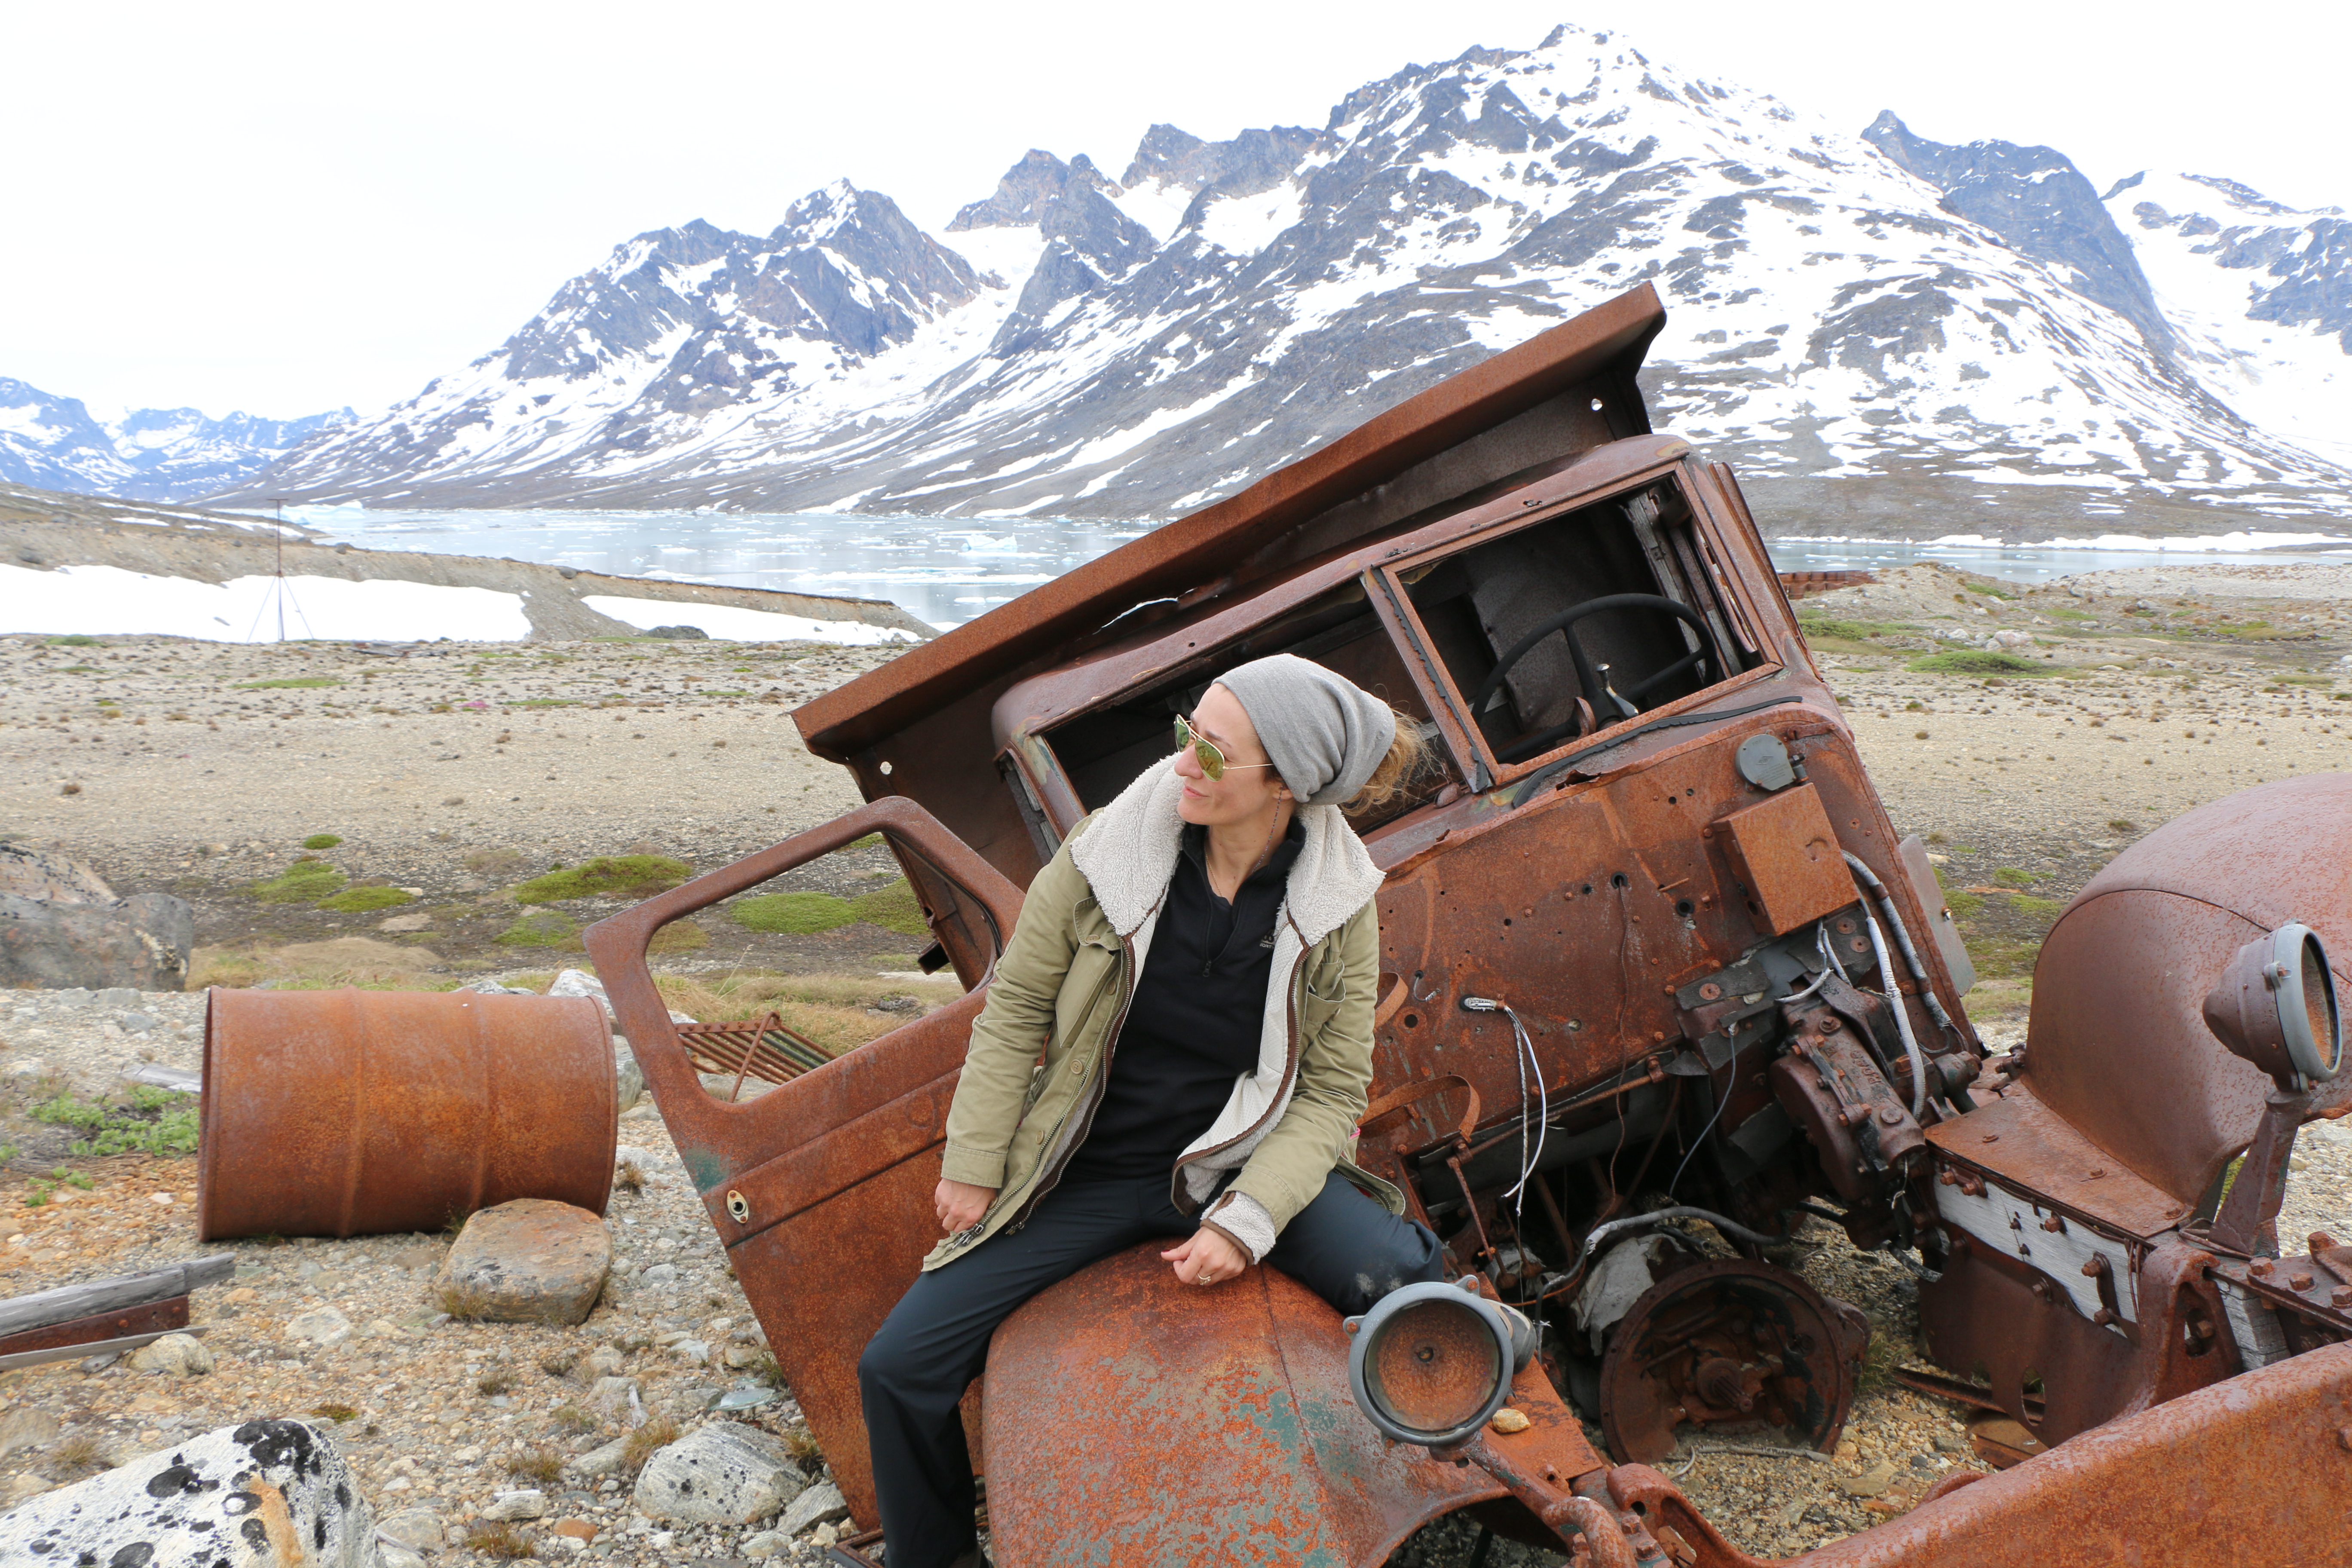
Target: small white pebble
(163, 1198)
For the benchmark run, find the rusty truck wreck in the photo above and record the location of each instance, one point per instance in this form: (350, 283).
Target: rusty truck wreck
(1651, 951)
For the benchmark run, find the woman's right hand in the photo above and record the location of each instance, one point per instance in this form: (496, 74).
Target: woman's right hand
(960, 1205)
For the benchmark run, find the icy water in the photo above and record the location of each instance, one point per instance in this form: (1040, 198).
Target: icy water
(946, 571)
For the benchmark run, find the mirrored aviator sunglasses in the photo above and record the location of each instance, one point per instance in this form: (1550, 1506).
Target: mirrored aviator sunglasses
(1213, 761)
(1204, 752)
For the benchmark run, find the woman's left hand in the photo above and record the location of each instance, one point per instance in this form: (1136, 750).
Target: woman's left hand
(1208, 1258)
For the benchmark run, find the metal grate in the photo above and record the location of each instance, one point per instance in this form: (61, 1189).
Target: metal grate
(762, 1048)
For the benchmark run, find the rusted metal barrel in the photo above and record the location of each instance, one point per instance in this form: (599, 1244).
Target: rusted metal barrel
(358, 1112)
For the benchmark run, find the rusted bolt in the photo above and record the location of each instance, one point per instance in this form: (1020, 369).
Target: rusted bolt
(2096, 1266)
(1709, 991)
(2298, 1281)
(2340, 1297)
(2319, 1241)
(1944, 1176)
(2051, 1222)
(2260, 1268)
(2104, 1316)
(1829, 1025)
(738, 1207)
(1891, 1116)
(1858, 946)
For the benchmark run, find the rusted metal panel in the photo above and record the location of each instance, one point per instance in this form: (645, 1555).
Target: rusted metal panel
(2254, 1470)
(358, 1112)
(2119, 1046)
(1590, 358)
(1131, 1419)
(152, 1318)
(819, 1188)
(1798, 584)
(1787, 858)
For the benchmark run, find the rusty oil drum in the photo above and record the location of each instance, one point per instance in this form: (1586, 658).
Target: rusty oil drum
(360, 1113)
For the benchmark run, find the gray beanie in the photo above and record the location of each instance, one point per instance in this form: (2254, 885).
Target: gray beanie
(1323, 733)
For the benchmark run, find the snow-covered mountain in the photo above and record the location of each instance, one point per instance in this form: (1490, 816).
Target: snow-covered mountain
(1842, 306)
(148, 453)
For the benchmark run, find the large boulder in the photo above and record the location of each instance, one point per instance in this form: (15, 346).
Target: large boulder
(533, 1260)
(31, 873)
(61, 926)
(725, 1473)
(267, 1494)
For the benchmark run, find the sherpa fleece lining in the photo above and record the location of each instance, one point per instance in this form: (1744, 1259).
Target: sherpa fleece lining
(1127, 854)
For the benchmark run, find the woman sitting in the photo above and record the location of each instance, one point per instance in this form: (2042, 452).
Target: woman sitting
(1176, 1044)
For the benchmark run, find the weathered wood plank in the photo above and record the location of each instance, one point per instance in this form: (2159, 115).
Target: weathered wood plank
(94, 1295)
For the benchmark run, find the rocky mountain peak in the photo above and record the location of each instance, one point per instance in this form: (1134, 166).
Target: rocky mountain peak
(1856, 307)
(1028, 188)
(2036, 199)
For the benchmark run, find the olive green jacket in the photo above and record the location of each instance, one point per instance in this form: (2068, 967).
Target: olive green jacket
(1041, 1047)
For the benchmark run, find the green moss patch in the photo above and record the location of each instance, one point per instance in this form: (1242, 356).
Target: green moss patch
(75, 639)
(1978, 661)
(358, 900)
(792, 915)
(306, 881)
(679, 936)
(894, 908)
(635, 876)
(298, 682)
(542, 928)
(321, 841)
(156, 1122)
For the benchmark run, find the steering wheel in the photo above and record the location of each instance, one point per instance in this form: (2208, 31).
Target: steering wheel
(1565, 623)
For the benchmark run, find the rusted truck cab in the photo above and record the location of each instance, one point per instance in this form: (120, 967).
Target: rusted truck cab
(1654, 963)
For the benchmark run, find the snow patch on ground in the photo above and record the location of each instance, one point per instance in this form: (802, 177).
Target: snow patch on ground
(108, 600)
(732, 624)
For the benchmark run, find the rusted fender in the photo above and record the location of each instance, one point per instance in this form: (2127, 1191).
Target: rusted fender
(2255, 1470)
(2118, 1046)
(1133, 1420)
(360, 1113)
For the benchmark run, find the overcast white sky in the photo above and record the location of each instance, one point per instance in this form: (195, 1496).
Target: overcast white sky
(289, 207)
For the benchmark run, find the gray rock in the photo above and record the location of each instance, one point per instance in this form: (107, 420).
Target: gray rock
(617, 1399)
(529, 1503)
(604, 1362)
(629, 1078)
(597, 1463)
(134, 945)
(31, 873)
(180, 1355)
(119, 996)
(323, 1326)
(721, 1474)
(658, 1274)
(694, 1353)
(201, 1503)
(392, 1554)
(533, 1260)
(767, 1543)
(418, 1529)
(821, 1504)
(137, 1023)
(693, 634)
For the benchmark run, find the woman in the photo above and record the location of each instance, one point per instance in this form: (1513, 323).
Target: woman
(1176, 1044)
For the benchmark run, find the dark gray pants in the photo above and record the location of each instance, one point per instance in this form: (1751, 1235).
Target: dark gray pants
(1343, 1246)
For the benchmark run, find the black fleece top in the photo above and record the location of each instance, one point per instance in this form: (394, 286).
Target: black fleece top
(1192, 1026)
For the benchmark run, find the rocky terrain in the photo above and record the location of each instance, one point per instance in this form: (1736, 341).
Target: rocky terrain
(1878, 310)
(454, 778)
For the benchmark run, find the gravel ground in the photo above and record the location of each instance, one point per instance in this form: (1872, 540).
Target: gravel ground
(191, 777)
